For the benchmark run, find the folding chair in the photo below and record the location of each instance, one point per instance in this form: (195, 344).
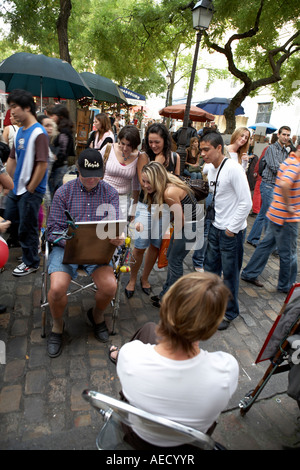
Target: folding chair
(119, 260)
(278, 346)
(119, 415)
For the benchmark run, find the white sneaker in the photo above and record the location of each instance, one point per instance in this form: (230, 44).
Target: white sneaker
(199, 270)
(23, 270)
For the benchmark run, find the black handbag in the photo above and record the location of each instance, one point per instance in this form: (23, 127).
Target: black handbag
(200, 188)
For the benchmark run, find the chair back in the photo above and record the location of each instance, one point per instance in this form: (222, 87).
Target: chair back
(144, 423)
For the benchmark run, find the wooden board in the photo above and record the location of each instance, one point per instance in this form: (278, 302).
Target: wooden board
(90, 243)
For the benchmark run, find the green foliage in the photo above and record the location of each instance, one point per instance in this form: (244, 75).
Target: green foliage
(135, 42)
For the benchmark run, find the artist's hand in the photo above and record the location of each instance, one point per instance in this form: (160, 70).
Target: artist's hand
(118, 240)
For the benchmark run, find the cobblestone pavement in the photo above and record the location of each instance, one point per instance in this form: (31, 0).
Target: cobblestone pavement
(40, 398)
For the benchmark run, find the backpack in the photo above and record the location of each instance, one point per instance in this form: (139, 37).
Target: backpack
(261, 166)
(250, 171)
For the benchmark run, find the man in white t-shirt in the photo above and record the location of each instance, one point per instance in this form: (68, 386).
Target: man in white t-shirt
(232, 205)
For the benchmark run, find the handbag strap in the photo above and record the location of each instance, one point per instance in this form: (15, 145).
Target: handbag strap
(223, 163)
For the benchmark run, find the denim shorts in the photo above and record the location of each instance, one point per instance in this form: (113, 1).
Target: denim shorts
(154, 228)
(55, 264)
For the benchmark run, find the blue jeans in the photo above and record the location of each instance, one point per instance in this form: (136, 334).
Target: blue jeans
(285, 238)
(261, 221)
(56, 178)
(177, 251)
(195, 175)
(225, 255)
(199, 255)
(23, 211)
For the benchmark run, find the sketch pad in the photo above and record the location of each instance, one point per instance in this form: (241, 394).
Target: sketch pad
(90, 242)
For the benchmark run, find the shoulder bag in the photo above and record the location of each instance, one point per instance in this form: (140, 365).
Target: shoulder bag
(210, 211)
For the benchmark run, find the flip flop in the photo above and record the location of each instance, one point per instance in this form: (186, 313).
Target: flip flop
(111, 350)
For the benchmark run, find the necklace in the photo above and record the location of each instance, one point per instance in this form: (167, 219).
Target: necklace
(125, 158)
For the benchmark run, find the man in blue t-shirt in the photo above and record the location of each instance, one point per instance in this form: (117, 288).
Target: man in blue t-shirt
(27, 165)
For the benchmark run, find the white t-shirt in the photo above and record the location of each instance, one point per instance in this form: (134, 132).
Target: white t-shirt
(235, 158)
(233, 197)
(192, 392)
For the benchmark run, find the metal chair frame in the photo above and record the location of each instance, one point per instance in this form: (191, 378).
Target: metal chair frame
(110, 408)
(119, 266)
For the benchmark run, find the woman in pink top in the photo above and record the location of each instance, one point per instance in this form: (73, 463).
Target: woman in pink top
(121, 166)
(103, 133)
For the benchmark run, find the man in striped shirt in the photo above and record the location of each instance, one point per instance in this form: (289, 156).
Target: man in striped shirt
(282, 230)
(275, 154)
(87, 198)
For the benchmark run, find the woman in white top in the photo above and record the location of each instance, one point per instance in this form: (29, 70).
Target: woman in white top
(10, 131)
(239, 145)
(103, 133)
(164, 371)
(121, 166)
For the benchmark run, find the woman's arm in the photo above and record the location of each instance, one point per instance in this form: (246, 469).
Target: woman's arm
(172, 197)
(143, 159)
(177, 168)
(6, 181)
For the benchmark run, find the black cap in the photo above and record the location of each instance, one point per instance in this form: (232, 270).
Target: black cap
(90, 163)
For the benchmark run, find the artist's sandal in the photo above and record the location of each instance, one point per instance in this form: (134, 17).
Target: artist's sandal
(111, 350)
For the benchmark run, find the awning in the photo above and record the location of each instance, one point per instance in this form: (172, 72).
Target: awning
(133, 97)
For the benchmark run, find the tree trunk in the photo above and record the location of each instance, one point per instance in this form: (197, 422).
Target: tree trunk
(64, 54)
(236, 101)
(62, 29)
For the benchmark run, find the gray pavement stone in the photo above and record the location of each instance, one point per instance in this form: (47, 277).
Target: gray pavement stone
(40, 398)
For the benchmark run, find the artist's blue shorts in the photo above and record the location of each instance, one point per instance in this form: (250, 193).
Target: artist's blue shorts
(55, 264)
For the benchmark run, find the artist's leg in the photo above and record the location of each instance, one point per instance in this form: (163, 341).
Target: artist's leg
(57, 297)
(106, 284)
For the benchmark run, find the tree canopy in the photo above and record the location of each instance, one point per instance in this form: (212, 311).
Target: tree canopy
(136, 42)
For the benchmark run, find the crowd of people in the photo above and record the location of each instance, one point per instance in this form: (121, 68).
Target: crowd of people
(140, 182)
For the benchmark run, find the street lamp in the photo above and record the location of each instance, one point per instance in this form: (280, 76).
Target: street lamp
(202, 15)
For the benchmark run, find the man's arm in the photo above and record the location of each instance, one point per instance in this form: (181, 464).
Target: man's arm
(41, 162)
(272, 159)
(242, 193)
(37, 176)
(285, 188)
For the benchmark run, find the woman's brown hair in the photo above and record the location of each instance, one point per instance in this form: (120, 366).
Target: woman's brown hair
(192, 310)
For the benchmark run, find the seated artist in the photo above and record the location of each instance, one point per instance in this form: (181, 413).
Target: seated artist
(81, 198)
(162, 370)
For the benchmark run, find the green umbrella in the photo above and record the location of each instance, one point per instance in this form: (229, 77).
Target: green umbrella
(103, 88)
(42, 76)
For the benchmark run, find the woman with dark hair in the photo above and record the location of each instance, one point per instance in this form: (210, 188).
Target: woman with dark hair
(121, 166)
(103, 134)
(158, 147)
(63, 146)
